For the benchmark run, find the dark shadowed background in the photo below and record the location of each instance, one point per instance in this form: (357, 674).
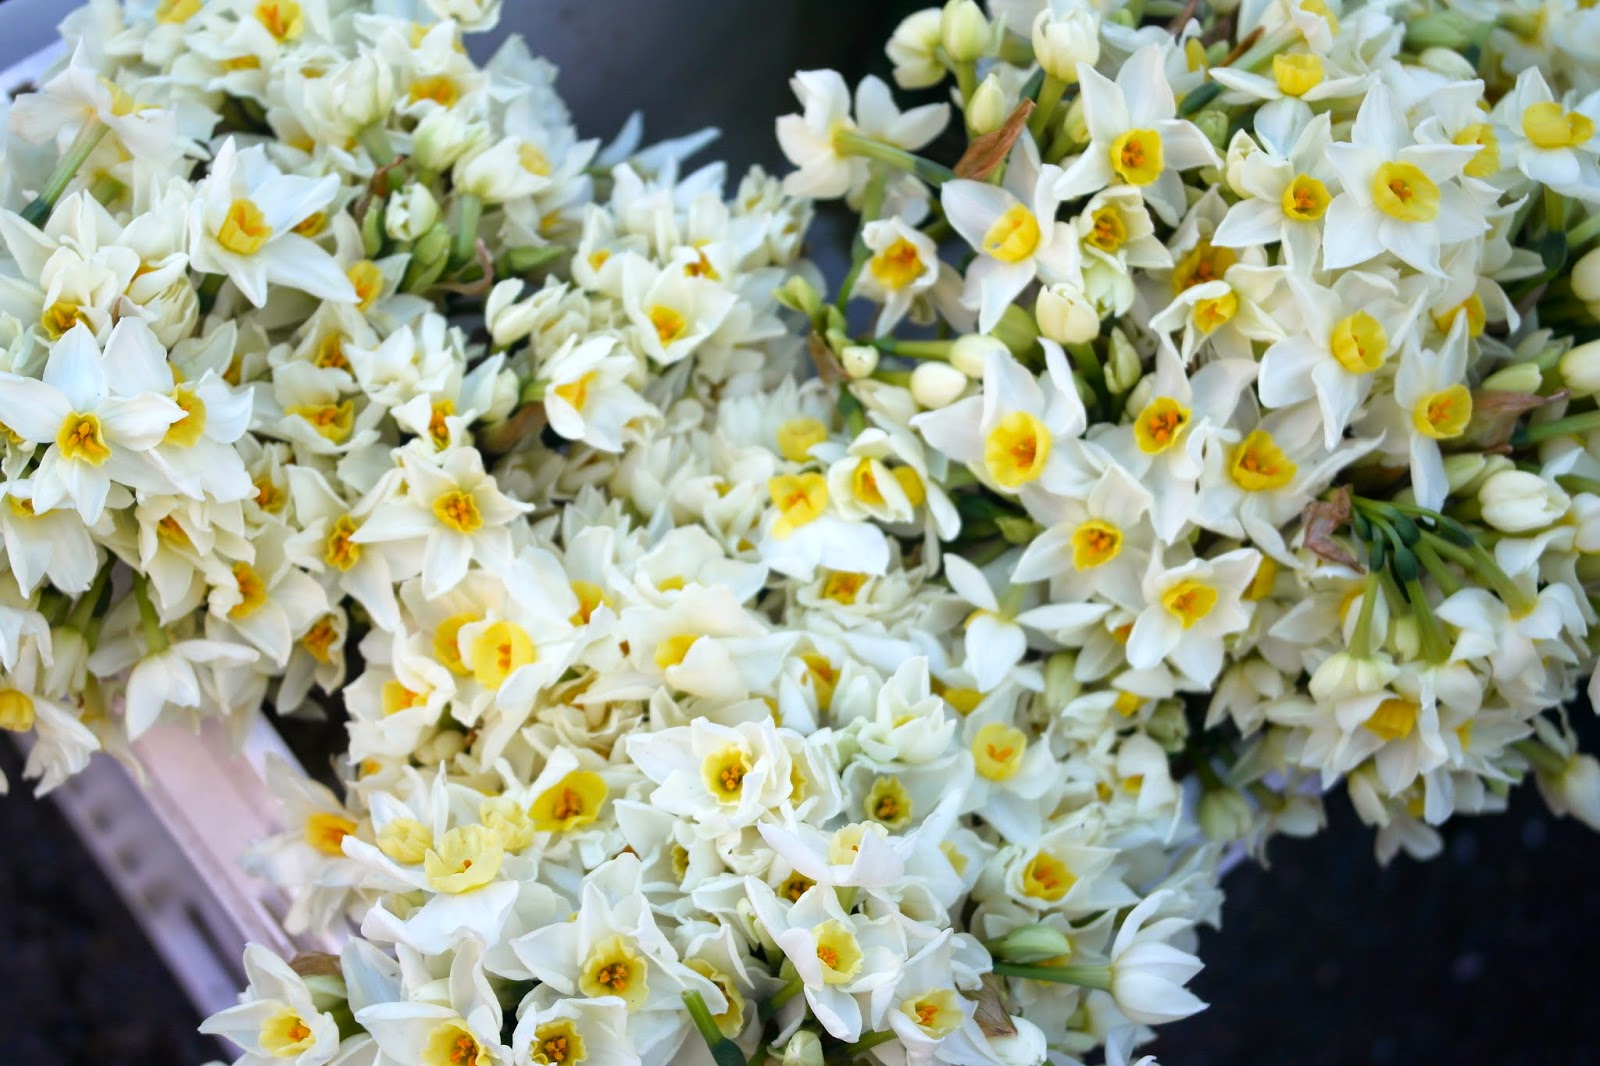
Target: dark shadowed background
(1486, 955)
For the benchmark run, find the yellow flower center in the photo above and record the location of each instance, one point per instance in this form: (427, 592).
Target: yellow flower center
(1095, 543)
(1472, 307)
(440, 88)
(797, 436)
(910, 484)
(176, 12)
(188, 430)
(1257, 464)
(1394, 719)
(452, 1044)
(326, 832)
(1305, 199)
(447, 643)
(1017, 449)
(332, 421)
(1137, 156)
(244, 228)
(501, 649)
(1297, 74)
(405, 840)
(285, 1035)
(458, 510)
(897, 265)
(574, 800)
(59, 317)
(557, 1043)
(531, 159)
(1108, 232)
(669, 324)
(1160, 425)
(1189, 601)
(800, 500)
(252, 591)
(937, 1013)
(1444, 414)
(843, 586)
(367, 280)
(1402, 191)
(1359, 342)
(888, 803)
(1014, 235)
(1547, 125)
(315, 222)
(997, 751)
(724, 771)
(671, 651)
(1215, 312)
(80, 439)
(467, 857)
(1200, 264)
(16, 710)
(340, 551)
(576, 393)
(731, 1021)
(838, 951)
(614, 969)
(1487, 162)
(318, 641)
(1261, 583)
(1047, 877)
(438, 427)
(396, 698)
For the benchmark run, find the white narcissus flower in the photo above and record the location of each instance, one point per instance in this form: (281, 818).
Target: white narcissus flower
(903, 265)
(243, 221)
(278, 1020)
(1432, 403)
(1189, 609)
(1147, 973)
(1552, 142)
(808, 139)
(94, 435)
(590, 395)
(465, 1028)
(1135, 136)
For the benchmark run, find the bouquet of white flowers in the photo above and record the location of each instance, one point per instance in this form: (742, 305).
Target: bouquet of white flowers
(733, 672)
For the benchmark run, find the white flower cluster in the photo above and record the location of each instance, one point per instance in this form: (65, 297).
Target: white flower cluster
(727, 682)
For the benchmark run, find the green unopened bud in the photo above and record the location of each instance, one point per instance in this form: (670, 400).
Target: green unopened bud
(1061, 42)
(526, 258)
(1016, 330)
(804, 1048)
(1225, 814)
(1580, 369)
(1074, 126)
(1017, 529)
(1462, 469)
(858, 360)
(410, 212)
(936, 385)
(988, 109)
(1448, 62)
(1125, 18)
(428, 259)
(372, 229)
(1123, 368)
(1168, 725)
(1439, 29)
(1214, 124)
(971, 351)
(1060, 680)
(964, 31)
(1065, 314)
(1518, 377)
(1585, 277)
(1518, 501)
(1031, 943)
(798, 294)
(1139, 395)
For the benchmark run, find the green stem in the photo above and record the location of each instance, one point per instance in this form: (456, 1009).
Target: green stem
(155, 638)
(375, 139)
(88, 138)
(1083, 976)
(1361, 640)
(935, 350)
(966, 73)
(871, 207)
(84, 610)
(1584, 232)
(853, 142)
(1434, 646)
(1049, 96)
(791, 988)
(1581, 423)
(1436, 568)
(469, 209)
(724, 1052)
(1542, 758)
(869, 1041)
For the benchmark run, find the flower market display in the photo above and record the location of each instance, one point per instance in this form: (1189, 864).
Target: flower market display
(742, 666)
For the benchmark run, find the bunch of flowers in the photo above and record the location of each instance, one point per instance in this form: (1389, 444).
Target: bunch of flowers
(734, 672)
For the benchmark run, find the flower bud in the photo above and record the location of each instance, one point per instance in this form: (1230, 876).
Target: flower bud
(911, 50)
(442, 137)
(1516, 501)
(804, 1048)
(971, 351)
(1215, 124)
(964, 31)
(363, 90)
(1074, 125)
(1168, 726)
(1225, 814)
(1463, 469)
(1241, 147)
(859, 360)
(1026, 1046)
(1060, 681)
(1016, 330)
(798, 294)
(988, 109)
(1061, 42)
(1517, 377)
(1065, 314)
(1580, 368)
(1585, 277)
(1123, 368)
(410, 213)
(508, 320)
(936, 385)
(1448, 62)
(1031, 943)
(1575, 790)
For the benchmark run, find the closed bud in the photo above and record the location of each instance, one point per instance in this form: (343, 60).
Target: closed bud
(1214, 124)
(428, 259)
(1518, 377)
(1168, 726)
(1241, 147)
(1441, 29)
(1031, 943)
(1140, 395)
(1586, 277)
(1074, 125)
(1025, 1045)
(804, 1048)
(970, 351)
(1225, 814)
(858, 360)
(1516, 501)
(936, 385)
(1448, 62)
(1060, 681)
(363, 89)
(798, 294)
(442, 137)
(1580, 369)
(964, 31)
(988, 108)
(509, 320)
(410, 213)
(1016, 330)
(911, 49)
(1123, 368)
(372, 229)
(1061, 42)
(1065, 314)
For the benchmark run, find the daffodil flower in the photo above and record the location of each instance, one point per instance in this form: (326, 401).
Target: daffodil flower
(1287, 187)
(1189, 609)
(1553, 143)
